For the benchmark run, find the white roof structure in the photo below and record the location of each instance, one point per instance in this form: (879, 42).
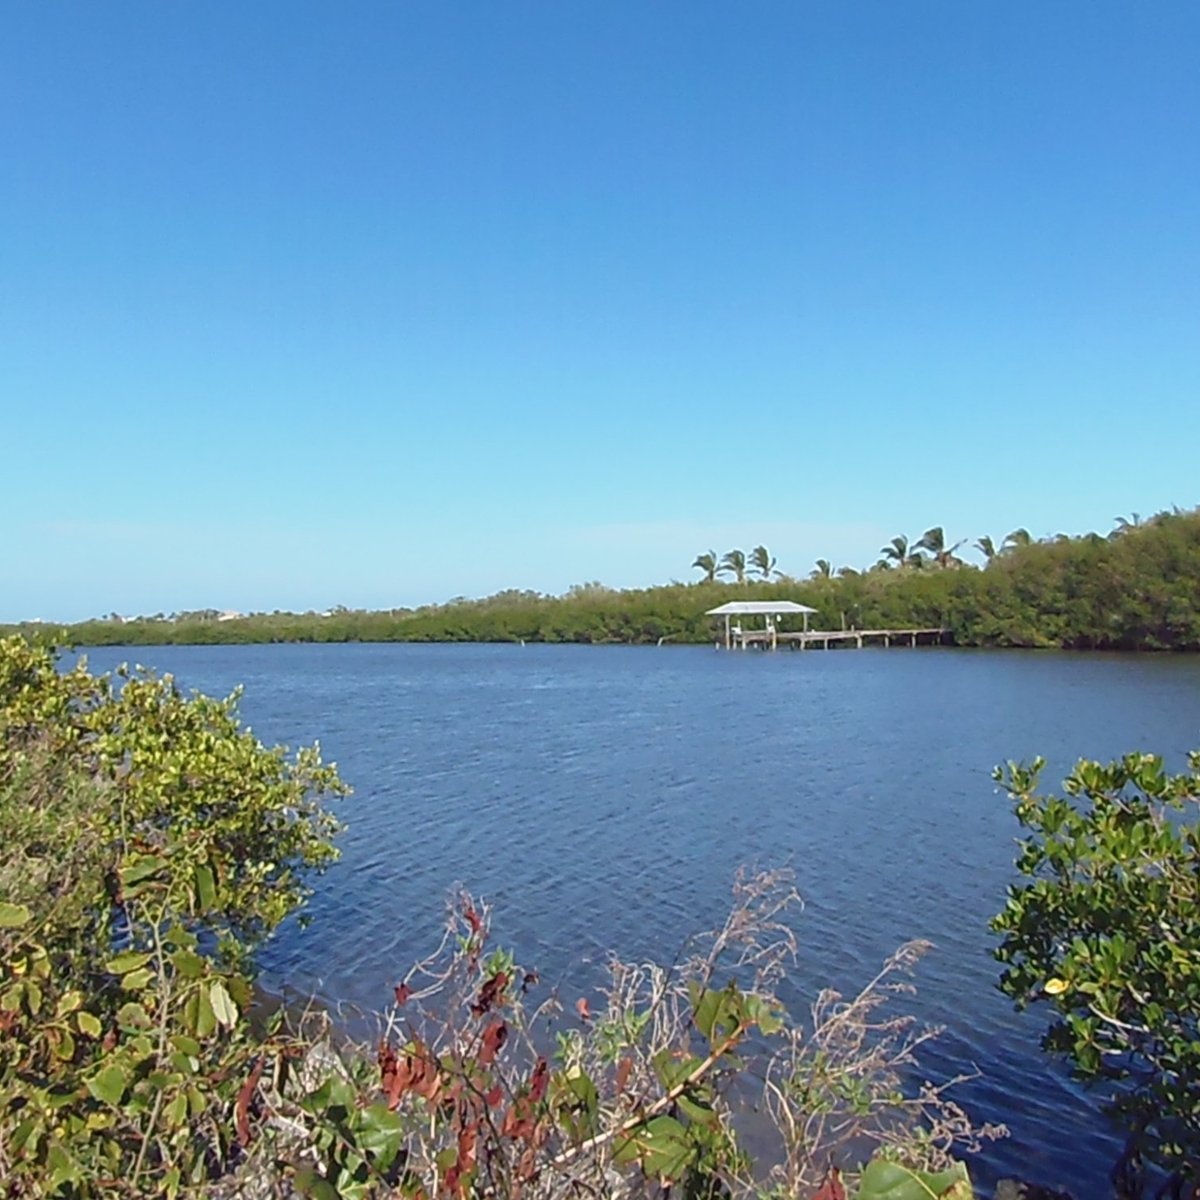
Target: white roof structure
(771, 608)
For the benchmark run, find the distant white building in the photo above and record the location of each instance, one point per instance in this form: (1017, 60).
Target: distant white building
(230, 615)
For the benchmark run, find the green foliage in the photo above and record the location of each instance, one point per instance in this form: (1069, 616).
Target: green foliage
(762, 563)
(708, 563)
(147, 844)
(1105, 933)
(886, 1180)
(734, 563)
(1138, 589)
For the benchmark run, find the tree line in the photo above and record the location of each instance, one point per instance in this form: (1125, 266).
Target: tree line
(1136, 588)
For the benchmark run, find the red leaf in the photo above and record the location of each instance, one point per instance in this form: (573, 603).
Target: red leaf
(527, 1166)
(583, 1009)
(493, 1039)
(389, 1075)
(538, 1081)
(521, 1120)
(416, 1072)
(491, 994)
(472, 918)
(426, 1080)
(492, 1099)
(242, 1110)
(403, 991)
(623, 1072)
(831, 1188)
(467, 1140)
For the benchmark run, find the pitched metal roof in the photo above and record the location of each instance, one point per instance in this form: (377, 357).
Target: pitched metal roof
(761, 607)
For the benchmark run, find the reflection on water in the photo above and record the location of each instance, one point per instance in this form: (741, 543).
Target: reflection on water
(603, 797)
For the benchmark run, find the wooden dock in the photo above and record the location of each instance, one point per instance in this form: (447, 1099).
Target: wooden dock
(770, 639)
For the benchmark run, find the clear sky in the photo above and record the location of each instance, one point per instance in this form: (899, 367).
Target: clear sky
(381, 303)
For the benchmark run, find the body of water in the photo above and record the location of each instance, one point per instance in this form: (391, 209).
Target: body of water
(602, 798)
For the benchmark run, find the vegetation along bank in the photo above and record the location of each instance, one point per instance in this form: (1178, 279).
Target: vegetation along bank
(1137, 588)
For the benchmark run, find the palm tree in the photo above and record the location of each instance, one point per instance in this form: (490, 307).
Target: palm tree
(1016, 539)
(707, 562)
(1125, 524)
(987, 548)
(734, 563)
(896, 552)
(934, 540)
(823, 569)
(761, 563)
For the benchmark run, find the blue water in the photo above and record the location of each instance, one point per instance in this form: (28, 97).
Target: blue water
(603, 798)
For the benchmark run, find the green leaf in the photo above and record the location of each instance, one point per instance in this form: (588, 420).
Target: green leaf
(189, 965)
(660, 1145)
(883, 1180)
(27, 1135)
(129, 960)
(206, 888)
(68, 1002)
(223, 1006)
(200, 1012)
(63, 1168)
(584, 1090)
(697, 1110)
(137, 869)
(136, 981)
(65, 1049)
(133, 1016)
(186, 1044)
(88, 1025)
(175, 1111)
(13, 916)
(109, 1084)
(308, 1183)
(671, 1070)
(380, 1135)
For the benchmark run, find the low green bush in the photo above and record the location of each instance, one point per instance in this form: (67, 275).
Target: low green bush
(147, 844)
(1105, 933)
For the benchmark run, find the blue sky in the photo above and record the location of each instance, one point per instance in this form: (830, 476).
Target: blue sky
(383, 303)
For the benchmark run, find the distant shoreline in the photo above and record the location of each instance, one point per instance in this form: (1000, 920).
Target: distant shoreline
(1136, 589)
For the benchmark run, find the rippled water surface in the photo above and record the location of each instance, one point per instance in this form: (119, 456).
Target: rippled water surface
(603, 797)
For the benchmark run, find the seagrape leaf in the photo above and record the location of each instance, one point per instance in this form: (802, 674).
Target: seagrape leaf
(13, 916)
(109, 1084)
(129, 960)
(661, 1146)
(884, 1180)
(206, 888)
(88, 1024)
(136, 981)
(223, 1006)
(380, 1135)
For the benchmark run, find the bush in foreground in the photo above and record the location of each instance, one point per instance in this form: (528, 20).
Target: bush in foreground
(1106, 933)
